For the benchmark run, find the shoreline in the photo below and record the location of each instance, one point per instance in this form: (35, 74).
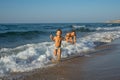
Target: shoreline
(77, 68)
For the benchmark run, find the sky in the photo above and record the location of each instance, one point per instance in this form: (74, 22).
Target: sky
(58, 11)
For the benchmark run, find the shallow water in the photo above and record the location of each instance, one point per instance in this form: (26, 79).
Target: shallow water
(105, 65)
(101, 64)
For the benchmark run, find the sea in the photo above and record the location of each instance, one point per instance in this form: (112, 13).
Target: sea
(25, 47)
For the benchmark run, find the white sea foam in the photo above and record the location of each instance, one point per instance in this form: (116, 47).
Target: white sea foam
(37, 55)
(110, 28)
(76, 27)
(32, 56)
(117, 28)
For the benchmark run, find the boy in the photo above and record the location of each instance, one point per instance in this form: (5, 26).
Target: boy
(71, 37)
(57, 39)
(67, 37)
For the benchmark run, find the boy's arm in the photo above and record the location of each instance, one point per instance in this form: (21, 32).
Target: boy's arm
(51, 37)
(74, 39)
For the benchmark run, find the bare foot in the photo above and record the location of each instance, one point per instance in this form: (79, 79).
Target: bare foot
(53, 60)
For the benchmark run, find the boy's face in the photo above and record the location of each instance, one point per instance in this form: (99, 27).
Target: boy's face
(68, 34)
(73, 33)
(58, 33)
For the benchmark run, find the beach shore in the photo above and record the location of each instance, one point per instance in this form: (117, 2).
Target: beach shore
(102, 64)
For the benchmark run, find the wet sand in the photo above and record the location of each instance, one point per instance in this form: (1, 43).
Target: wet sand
(102, 64)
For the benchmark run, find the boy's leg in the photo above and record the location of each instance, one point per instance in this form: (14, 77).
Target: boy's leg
(55, 52)
(59, 54)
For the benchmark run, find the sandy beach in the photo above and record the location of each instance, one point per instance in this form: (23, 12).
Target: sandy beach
(102, 64)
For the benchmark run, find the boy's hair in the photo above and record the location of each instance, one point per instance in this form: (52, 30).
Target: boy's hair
(74, 32)
(59, 30)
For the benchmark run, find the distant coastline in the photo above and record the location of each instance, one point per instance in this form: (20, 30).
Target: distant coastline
(113, 21)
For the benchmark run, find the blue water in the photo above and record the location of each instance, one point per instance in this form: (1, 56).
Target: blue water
(12, 35)
(25, 47)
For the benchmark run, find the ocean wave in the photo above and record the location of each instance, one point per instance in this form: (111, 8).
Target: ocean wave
(31, 56)
(83, 28)
(108, 28)
(90, 29)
